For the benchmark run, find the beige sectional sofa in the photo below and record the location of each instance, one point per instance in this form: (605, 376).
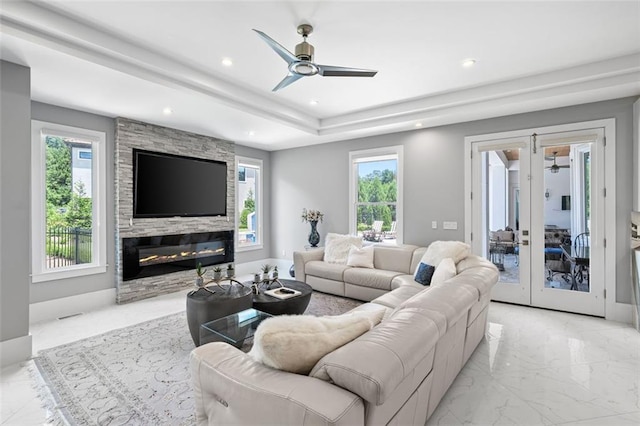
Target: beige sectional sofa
(396, 373)
(393, 267)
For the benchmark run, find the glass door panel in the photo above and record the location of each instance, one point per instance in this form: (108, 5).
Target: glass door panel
(501, 217)
(568, 216)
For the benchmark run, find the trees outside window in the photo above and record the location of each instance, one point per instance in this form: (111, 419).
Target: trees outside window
(376, 193)
(249, 203)
(67, 196)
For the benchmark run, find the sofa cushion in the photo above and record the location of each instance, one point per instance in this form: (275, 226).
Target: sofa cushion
(503, 236)
(446, 269)
(424, 273)
(374, 278)
(452, 301)
(438, 250)
(397, 296)
(405, 280)
(336, 247)
(332, 271)
(360, 257)
(394, 258)
(295, 343)
(373, 365)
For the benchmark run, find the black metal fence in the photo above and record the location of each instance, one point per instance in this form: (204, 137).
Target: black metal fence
(68, 246)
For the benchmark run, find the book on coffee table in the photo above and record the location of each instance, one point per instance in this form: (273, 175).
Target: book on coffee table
(282, 292)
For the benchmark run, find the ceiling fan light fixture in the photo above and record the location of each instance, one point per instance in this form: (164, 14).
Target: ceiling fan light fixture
(555, 168)
(304, 68)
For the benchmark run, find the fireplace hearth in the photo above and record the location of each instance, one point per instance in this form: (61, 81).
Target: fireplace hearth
(158, 255)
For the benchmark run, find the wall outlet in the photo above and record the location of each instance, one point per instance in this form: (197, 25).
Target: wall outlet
(449, 225)
(434, 224)
(284, 253)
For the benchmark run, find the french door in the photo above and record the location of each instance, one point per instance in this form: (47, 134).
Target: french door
(537, 213)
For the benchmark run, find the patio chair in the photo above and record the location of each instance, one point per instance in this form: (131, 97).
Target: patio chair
(375, 233)
(580, 271)
(391, 233)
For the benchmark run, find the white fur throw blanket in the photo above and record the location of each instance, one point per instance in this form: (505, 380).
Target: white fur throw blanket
(295, 343)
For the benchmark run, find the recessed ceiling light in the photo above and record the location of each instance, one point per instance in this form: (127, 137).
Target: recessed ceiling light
(227, 62)
(251, 133)
(167, 111)
(468, 63)
(418, 124)
(313, 102)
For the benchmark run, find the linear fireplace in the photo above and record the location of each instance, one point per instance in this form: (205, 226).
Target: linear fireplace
(164, 254)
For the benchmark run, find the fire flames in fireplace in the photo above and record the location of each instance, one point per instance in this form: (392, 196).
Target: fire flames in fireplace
(155, 259)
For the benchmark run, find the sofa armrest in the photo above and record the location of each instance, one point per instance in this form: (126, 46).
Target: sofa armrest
(300, 258)
(231, 388)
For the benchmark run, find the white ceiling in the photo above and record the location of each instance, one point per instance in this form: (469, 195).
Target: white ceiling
(134, 58)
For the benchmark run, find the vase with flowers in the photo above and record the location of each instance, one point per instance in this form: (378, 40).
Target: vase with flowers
(313, 217)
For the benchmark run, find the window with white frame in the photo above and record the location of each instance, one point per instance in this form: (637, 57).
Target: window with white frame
(249, 203)
(376, 194)
(68, 201)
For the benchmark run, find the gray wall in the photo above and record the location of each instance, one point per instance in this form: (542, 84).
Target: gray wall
(55, 289)
(317, 177)
(265, 251)
(15, 181)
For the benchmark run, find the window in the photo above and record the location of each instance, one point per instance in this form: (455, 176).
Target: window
(68, 201)
(376, 194)
(249, 207)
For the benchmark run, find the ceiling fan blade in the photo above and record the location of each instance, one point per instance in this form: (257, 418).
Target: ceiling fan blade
(277, 47)
(290, 78)
(332, 71)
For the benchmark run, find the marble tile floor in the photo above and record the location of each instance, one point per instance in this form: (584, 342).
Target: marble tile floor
(535, 367)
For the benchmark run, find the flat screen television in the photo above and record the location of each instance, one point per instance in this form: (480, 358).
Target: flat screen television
(166, 185)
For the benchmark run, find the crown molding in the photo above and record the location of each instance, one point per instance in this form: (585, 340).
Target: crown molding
(50, 28)
(44, 25)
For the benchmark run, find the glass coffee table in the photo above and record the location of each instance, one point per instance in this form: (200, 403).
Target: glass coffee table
(233, 329)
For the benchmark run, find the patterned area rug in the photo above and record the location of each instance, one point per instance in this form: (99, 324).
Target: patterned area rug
(138, 375)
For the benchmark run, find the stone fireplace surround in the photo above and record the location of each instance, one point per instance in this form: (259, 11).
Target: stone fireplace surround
(134, 134)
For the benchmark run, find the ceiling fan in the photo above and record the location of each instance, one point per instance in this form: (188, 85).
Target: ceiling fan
(301, 64)
(554, 167)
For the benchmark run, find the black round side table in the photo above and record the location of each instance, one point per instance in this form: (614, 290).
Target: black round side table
(204, 305)
(292, 306)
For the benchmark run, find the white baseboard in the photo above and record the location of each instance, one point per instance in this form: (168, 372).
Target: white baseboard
(621, 312)
(15, 350)
(72, 305)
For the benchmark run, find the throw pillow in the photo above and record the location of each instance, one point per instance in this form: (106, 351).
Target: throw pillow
(295, 343)
(424, 273)
(360, 257)
(438, 250)
(336, 247)
(445, 270)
